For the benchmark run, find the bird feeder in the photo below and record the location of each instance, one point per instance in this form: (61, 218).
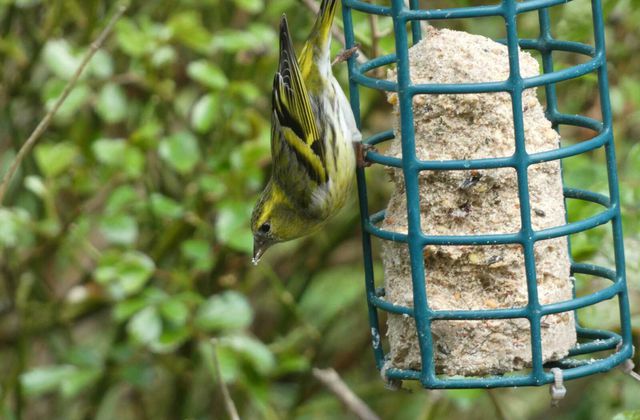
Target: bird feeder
(484, 215)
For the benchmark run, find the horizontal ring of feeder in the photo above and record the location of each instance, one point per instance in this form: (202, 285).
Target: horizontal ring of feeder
(599, 140)
(453, 13)
(577, 121)
(532, 5)
(504, 313)
(472, 11)
(597, 60)
(551, 44)
(434, 382)
(507, 238)
(371, 9)
(574, 72)
(509, 313)
(601, 340)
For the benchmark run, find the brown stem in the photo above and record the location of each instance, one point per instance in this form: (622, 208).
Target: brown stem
(335, 384)
(229, 405)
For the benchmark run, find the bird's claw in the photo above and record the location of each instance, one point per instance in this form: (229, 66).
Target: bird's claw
(345, 54)
(361, 150)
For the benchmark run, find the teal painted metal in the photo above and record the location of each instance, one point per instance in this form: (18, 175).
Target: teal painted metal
(424, 315)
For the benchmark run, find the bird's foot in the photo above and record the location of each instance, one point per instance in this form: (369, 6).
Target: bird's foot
(346, 54)
(361, 150)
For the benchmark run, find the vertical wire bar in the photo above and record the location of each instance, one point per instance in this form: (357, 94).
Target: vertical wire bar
(551, 113)
(354, 98)
(614, 191)
(517, 87)
(411, 173)
(416, 30)
(547, 66)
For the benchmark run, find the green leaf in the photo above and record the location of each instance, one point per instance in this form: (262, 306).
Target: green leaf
(229, 310)
(257, 37)
(117, 153)
(163, 56)
(163, 206)
(199, 253)
(627, 415)
(180, 151)
(44, 379)
(54, 159)
(175, 311)
(232, 225)
(170, 340)
(58, 58)
(112, 103)
(109, 151)
(252, 351)
(78, 380)
(126, 309)
(213, 186)
(251, 6)
(14, 227)
(101, 65)
(125, 273)
(133, 162)
(131, 39)
(207, 74)
(248, 91)
(69, 109)
(465, 398)
(146, 326)
(34, 184)
(314, 303)
(186, 27)
(227, 360)
(119, 229)
(121, 199)
(205, 113)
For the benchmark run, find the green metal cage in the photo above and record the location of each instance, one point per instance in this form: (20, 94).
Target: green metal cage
(592, 341)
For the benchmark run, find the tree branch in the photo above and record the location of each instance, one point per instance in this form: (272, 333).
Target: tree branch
(44, 123)
(335, 384)
(228, 402)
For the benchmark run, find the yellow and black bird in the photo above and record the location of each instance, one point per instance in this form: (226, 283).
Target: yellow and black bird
(312, 135)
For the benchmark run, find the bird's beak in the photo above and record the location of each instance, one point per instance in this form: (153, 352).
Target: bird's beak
(258, 250)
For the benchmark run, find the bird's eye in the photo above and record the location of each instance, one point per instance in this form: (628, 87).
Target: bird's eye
(265, 227)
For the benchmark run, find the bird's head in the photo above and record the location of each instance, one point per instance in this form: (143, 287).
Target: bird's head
(274, 220)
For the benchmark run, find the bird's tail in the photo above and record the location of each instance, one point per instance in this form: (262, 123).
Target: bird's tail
(321, 32)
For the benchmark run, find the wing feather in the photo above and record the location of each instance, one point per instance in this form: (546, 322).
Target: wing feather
(294, 124)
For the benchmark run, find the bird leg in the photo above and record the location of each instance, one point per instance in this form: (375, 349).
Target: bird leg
(345, 54)
(361, 150)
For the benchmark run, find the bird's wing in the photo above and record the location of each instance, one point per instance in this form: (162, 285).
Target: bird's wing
(295, 137)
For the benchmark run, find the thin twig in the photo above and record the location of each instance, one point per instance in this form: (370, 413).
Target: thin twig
(315, 8)
(230, 406)
(335, 384)
(44, 123)
(496, 404)
(375, 35)
(345, 54)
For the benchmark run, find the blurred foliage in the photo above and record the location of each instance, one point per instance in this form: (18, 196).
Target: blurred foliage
(124, 239)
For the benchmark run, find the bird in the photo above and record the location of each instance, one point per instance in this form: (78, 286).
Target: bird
(313, 132)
